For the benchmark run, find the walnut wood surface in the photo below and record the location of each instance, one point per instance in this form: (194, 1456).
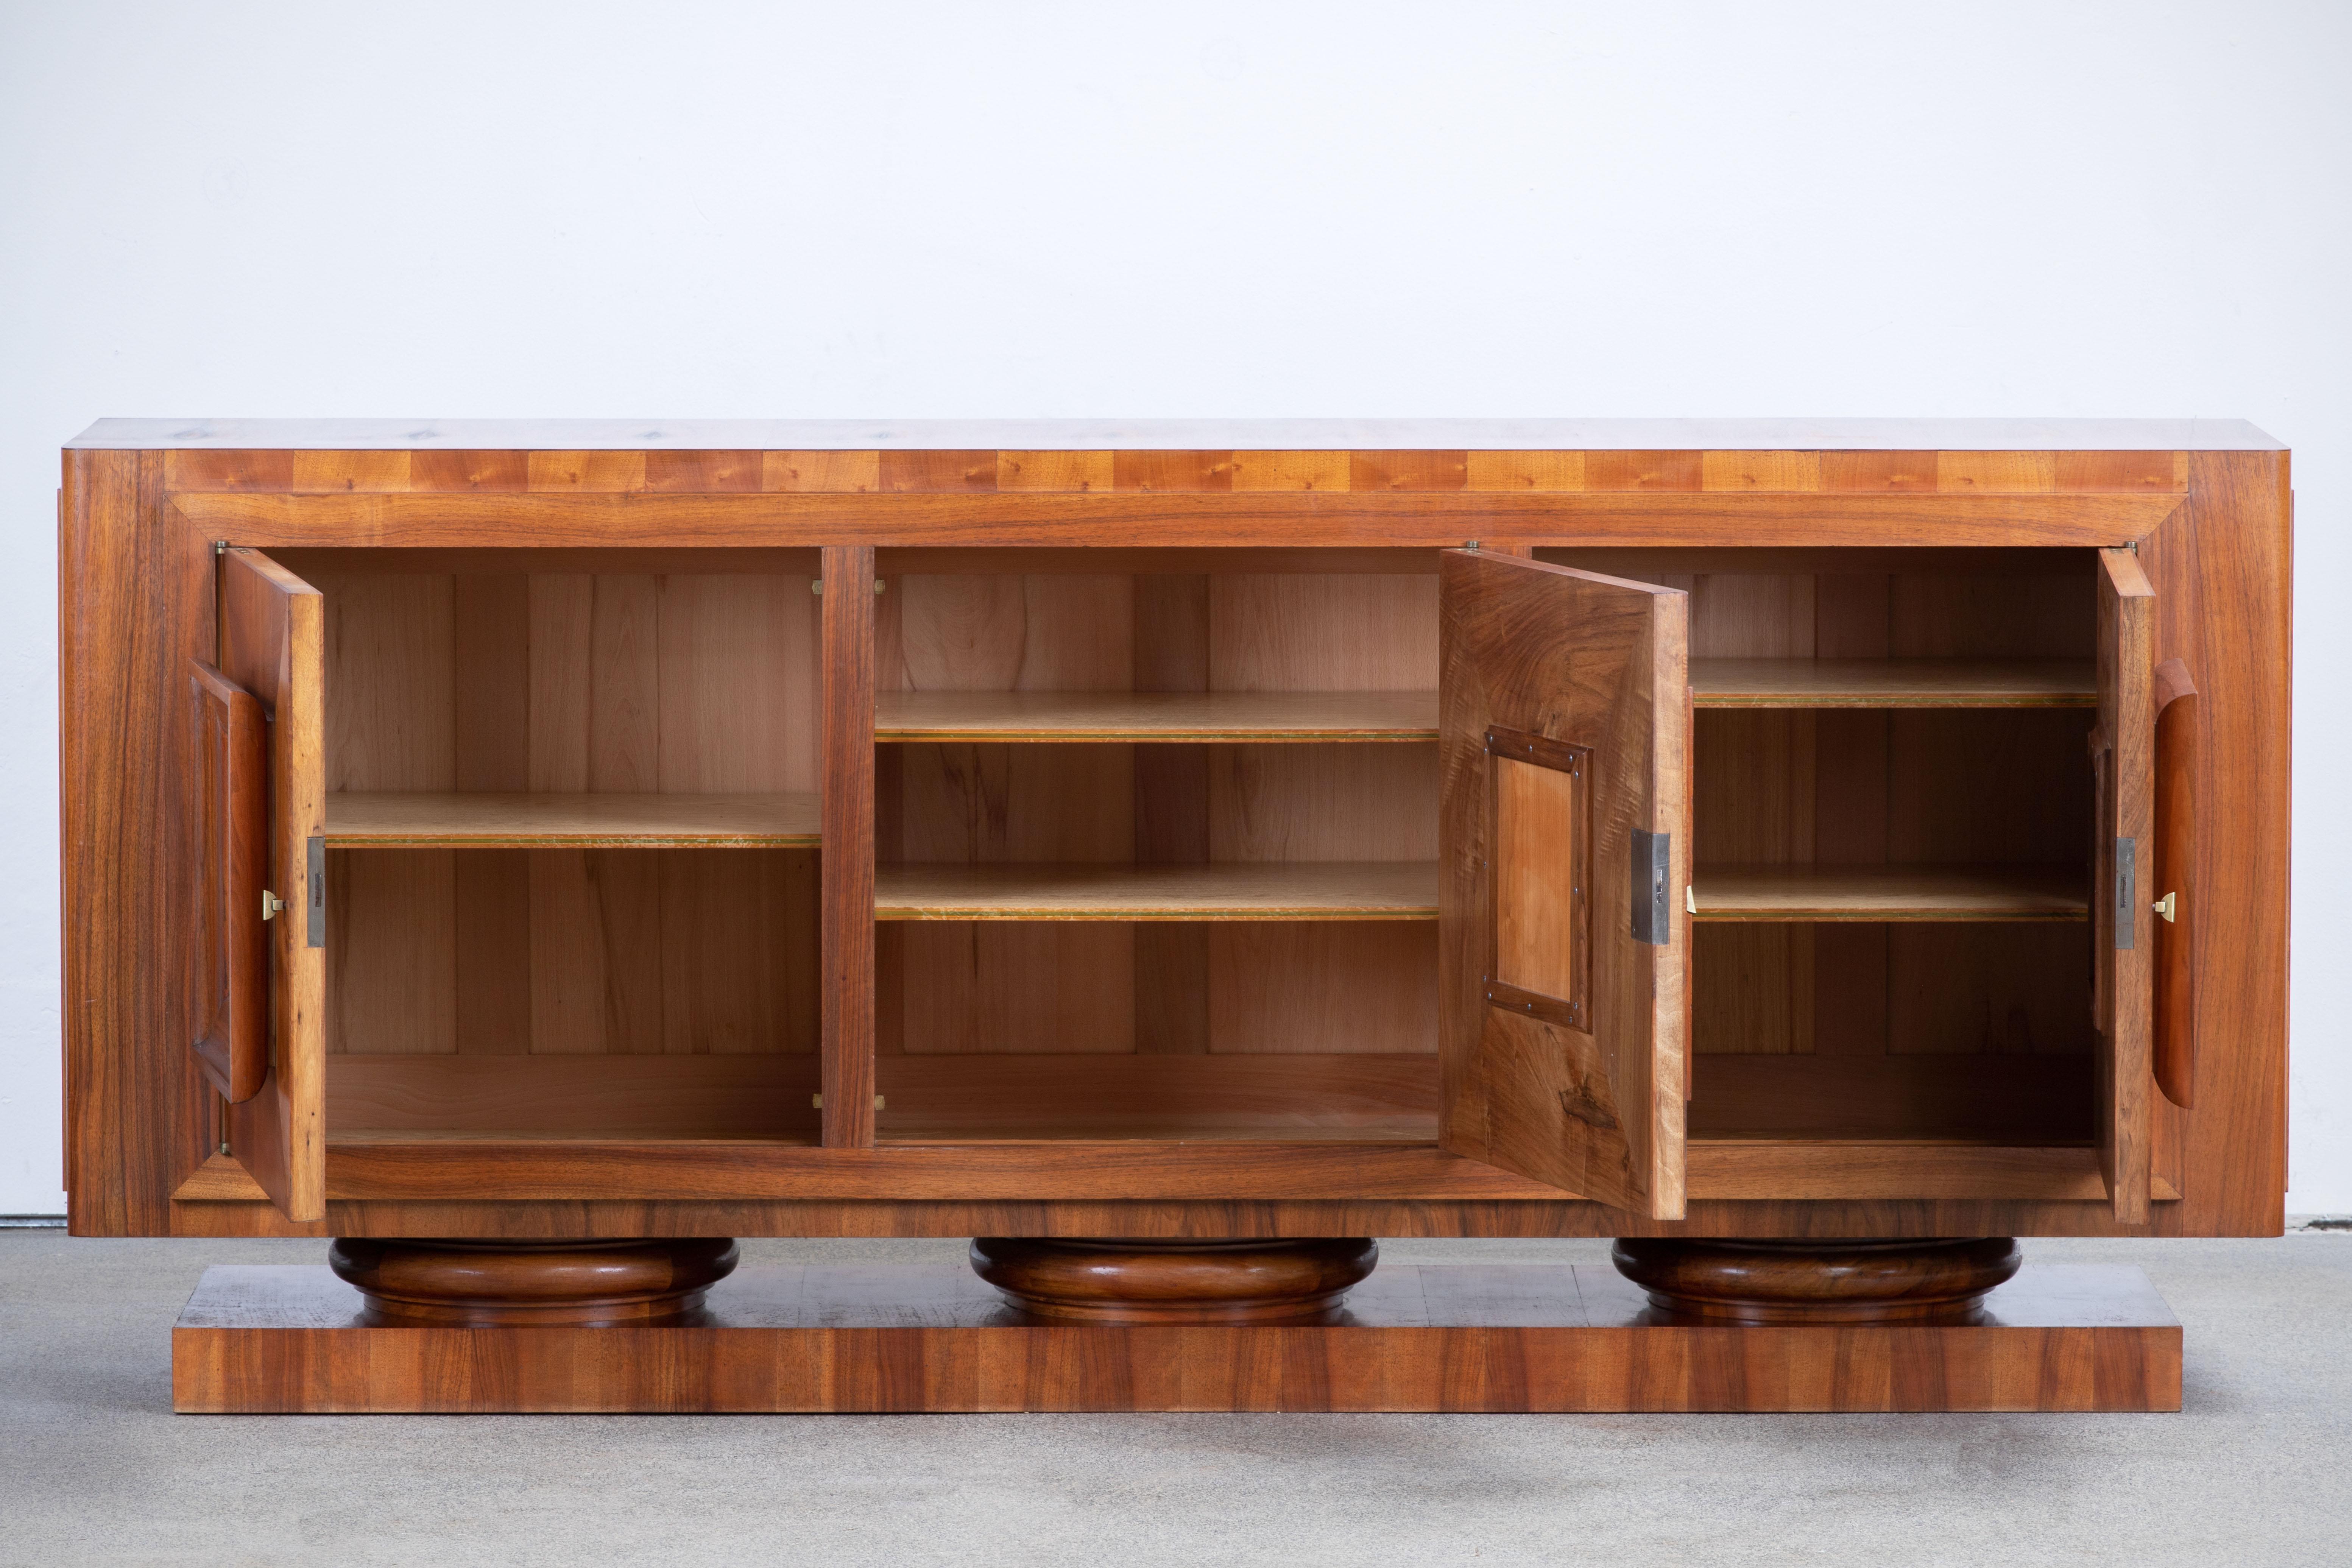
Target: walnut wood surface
(263, 1338)
(1596, 662)
(2220, 564)
(1094, 1280)
(1156, 716)
(487, 1285)
(2223, 576)
(1813, 1283)
(1224, 891)
(486, 820)
(847, 1045)
(273, 644)
(230, 922)
(1936, 1098)
(2173, 871)
(2127, 734)
(1180, 518)
(1893, 683)
(1880, 893)
(1904, 1183)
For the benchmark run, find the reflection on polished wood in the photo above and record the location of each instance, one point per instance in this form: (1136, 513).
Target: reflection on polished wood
(488, 821)
(1871, 893)
(1159, 716)
(1224, 890)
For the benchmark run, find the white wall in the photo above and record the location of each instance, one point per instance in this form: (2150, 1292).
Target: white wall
(749, 210)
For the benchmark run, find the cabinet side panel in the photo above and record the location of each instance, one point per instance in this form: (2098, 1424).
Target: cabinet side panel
(135, 603)
(2223, 570)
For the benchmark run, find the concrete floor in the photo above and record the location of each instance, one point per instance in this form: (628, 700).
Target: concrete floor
(94, 1468)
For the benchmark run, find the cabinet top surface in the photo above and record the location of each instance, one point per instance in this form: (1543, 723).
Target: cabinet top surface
(1185, 434)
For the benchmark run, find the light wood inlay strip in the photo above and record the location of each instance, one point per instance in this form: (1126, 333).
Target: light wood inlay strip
(1893, 683)
(486, 821)
(1165, 716)
(1886, 893)
(1231, 890)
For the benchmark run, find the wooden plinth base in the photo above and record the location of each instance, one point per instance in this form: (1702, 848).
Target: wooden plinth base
(1454, 1337)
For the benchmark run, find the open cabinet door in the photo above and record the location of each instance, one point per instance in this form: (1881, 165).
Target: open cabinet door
(1564, 846)
(272, 664)
(2123, 938)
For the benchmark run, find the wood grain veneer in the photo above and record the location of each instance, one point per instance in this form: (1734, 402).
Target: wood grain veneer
(1589, 1098)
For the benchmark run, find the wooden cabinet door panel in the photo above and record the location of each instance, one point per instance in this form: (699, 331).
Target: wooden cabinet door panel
(2123, 937)
(232, 789)
(1563, 728)
(273, 645)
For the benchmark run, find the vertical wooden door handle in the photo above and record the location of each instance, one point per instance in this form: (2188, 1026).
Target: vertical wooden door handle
(2173, 887)
(231, 793)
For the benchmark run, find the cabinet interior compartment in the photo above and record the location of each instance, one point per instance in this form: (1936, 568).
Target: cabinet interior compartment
(571, 843)
(1891, 819)
(1157, 845)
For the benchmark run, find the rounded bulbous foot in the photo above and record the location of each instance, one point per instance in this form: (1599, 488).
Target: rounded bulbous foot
(503, 1284)
(1097, 1282)
(1708, 1280)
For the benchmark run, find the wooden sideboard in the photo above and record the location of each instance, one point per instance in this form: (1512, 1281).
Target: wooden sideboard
(1102, 834)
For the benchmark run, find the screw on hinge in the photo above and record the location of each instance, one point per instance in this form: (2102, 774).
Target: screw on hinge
(1469, 545)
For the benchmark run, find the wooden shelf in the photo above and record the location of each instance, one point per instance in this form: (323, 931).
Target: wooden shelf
(1887, 893)
(1893, 683)
(486, 821)
(1253, 890)
(1161, 716)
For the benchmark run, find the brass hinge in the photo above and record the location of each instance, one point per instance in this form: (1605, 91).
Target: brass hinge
(816, 1103)
(817, 586)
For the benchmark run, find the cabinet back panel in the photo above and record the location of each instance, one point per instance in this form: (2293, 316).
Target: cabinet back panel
(1080, 987)
(1011, 987)
(572, 951)
(1323, 988)
(627, 682)
(1337, 632)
